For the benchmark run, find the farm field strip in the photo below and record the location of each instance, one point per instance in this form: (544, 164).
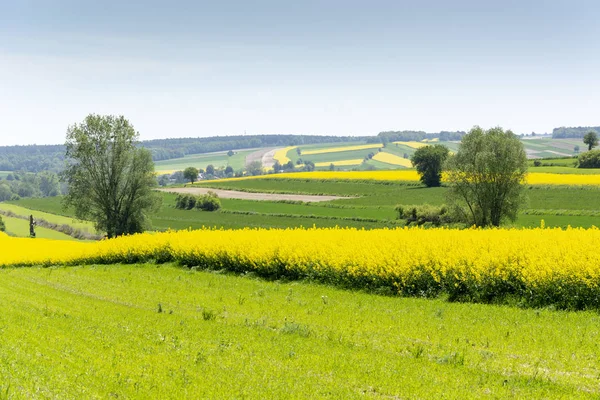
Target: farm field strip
(85, 226)
(281, 154)
(340, 162)
(222, 336)
(20, 227)
(414, 145)
(389, 158)
(533, 178)
(342, 149)
(490, 265)
(220, 159)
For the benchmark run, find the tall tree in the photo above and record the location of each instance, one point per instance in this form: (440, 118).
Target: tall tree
(486, 176)
(191, 174)
(591, 139)
(429, 161)
(110, 179)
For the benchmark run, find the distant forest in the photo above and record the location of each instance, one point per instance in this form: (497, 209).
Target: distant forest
(37, 158)
(573, 132)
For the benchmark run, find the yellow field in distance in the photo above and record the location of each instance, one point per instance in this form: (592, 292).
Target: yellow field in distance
(414, 145)
(534, 178)
(281, 155)
(345, 148)
(392, 159)
(340, 163)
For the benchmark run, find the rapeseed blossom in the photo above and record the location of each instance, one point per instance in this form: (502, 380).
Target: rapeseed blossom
(543, 266)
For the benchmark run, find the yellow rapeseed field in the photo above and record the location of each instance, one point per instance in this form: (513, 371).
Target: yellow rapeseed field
(545, 266)
(345, 148)
(281, 155)
(392, 159)
(533, 178)
(414, 145)
(339, 163)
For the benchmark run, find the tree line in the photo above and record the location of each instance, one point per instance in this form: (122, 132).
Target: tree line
(573, 132)
(17, 185)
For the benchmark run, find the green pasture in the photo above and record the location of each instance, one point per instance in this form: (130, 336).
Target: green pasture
(220, 159)
(366, 204)
(51, 217)
(4, 174)
(148, 331)
(20, 228)
(339, 156)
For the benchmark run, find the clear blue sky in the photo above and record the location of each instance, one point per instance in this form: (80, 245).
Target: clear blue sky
(199, 68)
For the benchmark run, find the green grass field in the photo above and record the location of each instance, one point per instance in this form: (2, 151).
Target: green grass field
(220, 159)
(53, 218)
(147, 331)
(372, 206)
(20, 228)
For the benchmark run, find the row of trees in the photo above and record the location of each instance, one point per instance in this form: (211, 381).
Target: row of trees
(485, 176)
(20, 184)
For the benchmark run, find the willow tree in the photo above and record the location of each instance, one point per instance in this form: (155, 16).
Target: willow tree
(110, 179)
(486, 176)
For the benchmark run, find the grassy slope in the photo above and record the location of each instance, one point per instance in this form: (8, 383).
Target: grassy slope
(52, 218)
(20, 227)
(221, 159)
(96, 332)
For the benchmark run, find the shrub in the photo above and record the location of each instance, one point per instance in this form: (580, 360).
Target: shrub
(2, 226)
(428, 215)
(208, 202)
(589, 159)
(537, 163)
(191, 202)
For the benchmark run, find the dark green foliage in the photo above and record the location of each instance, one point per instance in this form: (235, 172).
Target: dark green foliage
(210, 169)
(591, 139)
(571, 132)
(230, 153)
(486, 176)
(589, 159)
(229, 170)
(428, 215)
(256, 168)
(429, 161)
(208, 202)
(2, 226)
(537, 163)
(191, 174)
(110, 179)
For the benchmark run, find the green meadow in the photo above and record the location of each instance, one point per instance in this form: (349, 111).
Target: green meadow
(149, 331)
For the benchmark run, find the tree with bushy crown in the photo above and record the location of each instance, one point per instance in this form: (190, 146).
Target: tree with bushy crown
(486, 176)
(429, 161)
(591, 139)
(191, 174)
(110, 179)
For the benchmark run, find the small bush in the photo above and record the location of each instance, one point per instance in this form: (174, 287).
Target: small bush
(537, 163)
(589, 159)
(428, 215)
(208, 202)
(2, 226)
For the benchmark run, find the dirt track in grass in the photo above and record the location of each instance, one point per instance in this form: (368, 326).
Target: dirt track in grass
(234, 194)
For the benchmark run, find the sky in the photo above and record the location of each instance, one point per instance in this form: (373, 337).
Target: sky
(206, 68)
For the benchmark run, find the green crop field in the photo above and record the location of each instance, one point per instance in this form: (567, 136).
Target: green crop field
(20, 228)
(368, 204)
(147, 331)
(53, 218)
(221, 159)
